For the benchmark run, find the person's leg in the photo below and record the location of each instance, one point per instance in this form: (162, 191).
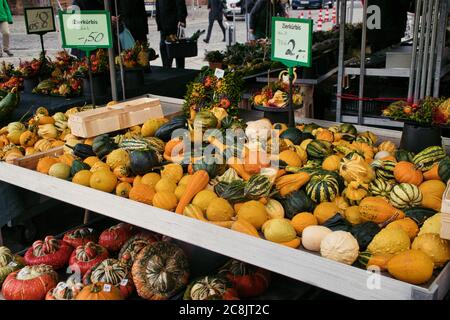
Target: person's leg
(4, 29)
(167, 63)
(222, 27)
(210, 27)
(180, 63)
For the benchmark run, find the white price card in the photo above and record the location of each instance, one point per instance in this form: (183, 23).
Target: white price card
(39, 20)
(219, 73)
(107, 288)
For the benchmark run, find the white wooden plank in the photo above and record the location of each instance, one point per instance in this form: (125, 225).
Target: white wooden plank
(297, 264)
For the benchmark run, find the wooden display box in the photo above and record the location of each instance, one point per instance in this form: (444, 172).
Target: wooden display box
(30, 162)
(445, 214)
(121, 116)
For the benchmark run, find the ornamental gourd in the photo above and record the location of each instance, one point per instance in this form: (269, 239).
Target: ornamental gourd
(115, 237)
(340, 246)
(356, 169)
(65, 290)
(412, 266)
(132, 247)
(388, 146)
(79, 237)
(322, 187)
(406, 195)
(210, 288)
(99, 291)
(389, 241)
(86, 256)
(29, 283)
(113, 272)
(406, 172)
(8, 263)
(312, 236)
(355, 192)
(432, 191)
(436, 248)
(249, 281)
(51, 251)
(160, 271)
(378, 210)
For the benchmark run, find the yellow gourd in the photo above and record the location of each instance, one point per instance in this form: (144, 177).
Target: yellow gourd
(407, 224)
(302, 220)
(412, 266)
(100, 166)
(355, 192)
(274, 209)
(436, 248)
(83, 178)
(185, 180)
(356, 169)
(90, 161)
(389, 241)
(103, 180)
(291, 158)
(353, 215)
(118, 157)
(279, 230)
(150, 179)
(165, 184)
(219, 210)
(243, 226)
(253, 212)
(165, 200)
(204, 198)
(173, 171)
(123, 189)
(44, 164)
(431, 225)
(432, 191)
(388, 146)
(179, 191)
(193, 211)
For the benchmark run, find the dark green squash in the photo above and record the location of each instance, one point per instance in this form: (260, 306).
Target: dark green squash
(83, 151)
(103, 145)
(211, 167)
(364, 233)
(143, 161)
(292, 134)
(309, 128)
(296, 202)
(348, 128)
(77, 166)
(319, 149)
(257, 186)
(233, 192)
(444, 169)
(205, 120)
(165, 131)
(404, 155)
(337, 223)
(419, 214)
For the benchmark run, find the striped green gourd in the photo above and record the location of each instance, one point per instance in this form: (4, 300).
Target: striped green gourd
(404, 155)
(380, 188)
(384, 169)
(405, 195)
(156, 144)
(348, 128)
(444, 169)
(134, 144)
(233, 192)
(365, 140)
(319, 149)
(322, 188)
(425, 159)
(257, 186)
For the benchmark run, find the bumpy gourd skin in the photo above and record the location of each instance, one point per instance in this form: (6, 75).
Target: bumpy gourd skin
(52, 252)
(160, 271)
(8, 263)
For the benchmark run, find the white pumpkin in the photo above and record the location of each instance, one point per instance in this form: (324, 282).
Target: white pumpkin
(340, 246)
(312, 236)
(259, 130)
(382, 154)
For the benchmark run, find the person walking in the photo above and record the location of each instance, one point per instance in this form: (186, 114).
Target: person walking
(170, 14)
(134, 16)
(215, 14)
(249, 4)
(5, 21)
(261, 17)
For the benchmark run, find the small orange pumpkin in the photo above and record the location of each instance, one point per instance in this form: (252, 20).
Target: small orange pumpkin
(325, 134)
(433, 173)
(142, 193)
(28, 139)
(99, 291)
(45, 163)
(46, 120)
(66, 158)
(406, 172)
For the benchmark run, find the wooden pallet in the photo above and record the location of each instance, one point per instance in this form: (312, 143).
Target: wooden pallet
(30, 162)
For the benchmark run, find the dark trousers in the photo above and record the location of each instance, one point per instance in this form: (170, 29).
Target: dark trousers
(167, 62)
(210, 26)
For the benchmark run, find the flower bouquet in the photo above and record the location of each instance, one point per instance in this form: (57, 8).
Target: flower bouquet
(137, 57)
(60, 87)
(99, 65)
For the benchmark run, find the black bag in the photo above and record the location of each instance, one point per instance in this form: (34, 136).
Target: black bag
(183, 47)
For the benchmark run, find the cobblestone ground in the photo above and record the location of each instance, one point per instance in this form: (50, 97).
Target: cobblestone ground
(26, 46)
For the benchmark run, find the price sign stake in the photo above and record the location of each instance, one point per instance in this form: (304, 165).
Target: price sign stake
(292, 46)
(86, 31)
(39, 20)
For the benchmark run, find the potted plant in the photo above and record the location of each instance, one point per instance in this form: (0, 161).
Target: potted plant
(424, 119)
(99, 69)
(215, 59)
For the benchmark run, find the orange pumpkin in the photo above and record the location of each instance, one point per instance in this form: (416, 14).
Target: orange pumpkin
(255, 160)
(45, 163)
(325, 134)
(66, 158)
(99, 291)
(142, 193)
(433, 173)
(46, 120)
(406, 172)
(28, 139)
(170, 150)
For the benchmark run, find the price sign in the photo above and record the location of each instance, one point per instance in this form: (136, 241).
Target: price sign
(292, 41)
(86, 30)
(39, 20)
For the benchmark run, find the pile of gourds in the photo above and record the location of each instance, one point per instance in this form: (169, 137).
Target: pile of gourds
(40, 133)
(345, 194)
(114, 265)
